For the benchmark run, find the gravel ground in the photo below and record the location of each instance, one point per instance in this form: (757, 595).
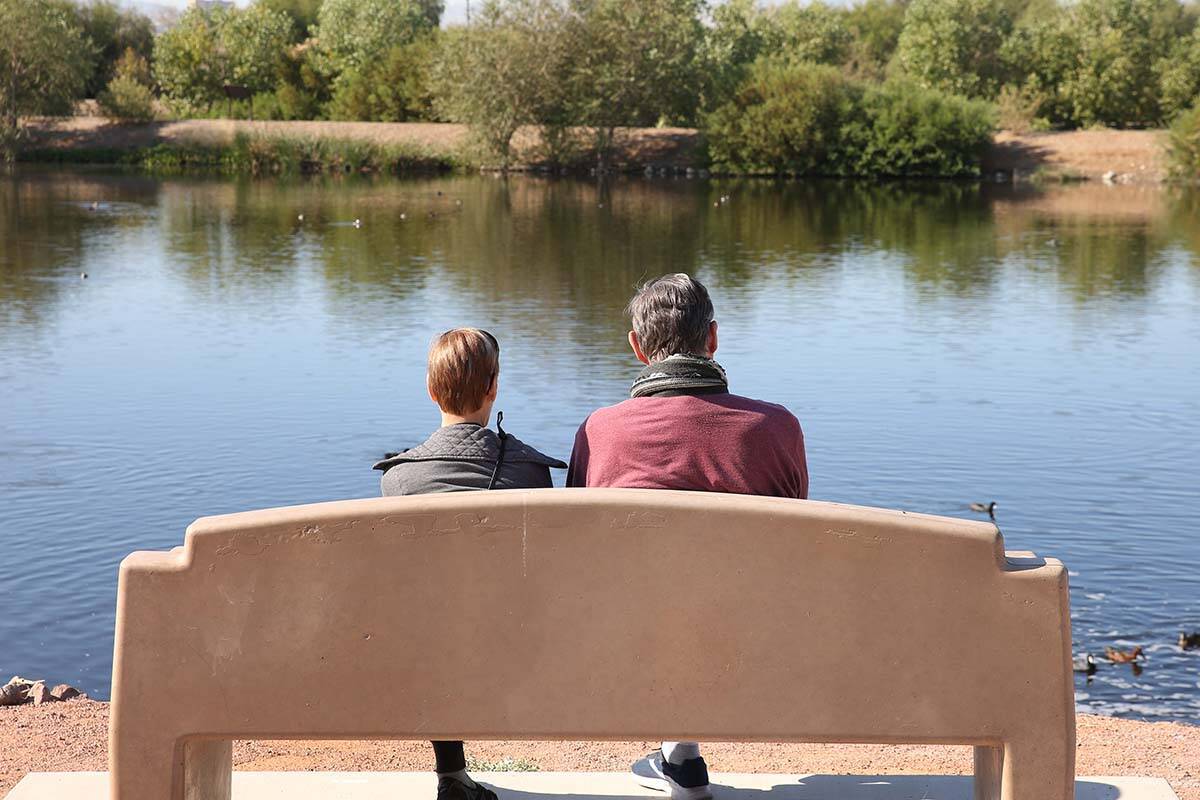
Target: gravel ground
(73, 736)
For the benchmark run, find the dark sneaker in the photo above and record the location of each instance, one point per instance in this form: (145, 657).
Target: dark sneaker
(686, 781)
(453, 789)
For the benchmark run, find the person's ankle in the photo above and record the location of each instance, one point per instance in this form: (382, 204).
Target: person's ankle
(461, 776)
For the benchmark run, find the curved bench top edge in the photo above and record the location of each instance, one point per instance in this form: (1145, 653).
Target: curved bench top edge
(625, 500)
(630, 499)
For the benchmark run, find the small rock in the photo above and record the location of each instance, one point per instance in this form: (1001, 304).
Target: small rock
(39, 694)
(14, 692)
(65, 692)
(1109, 177)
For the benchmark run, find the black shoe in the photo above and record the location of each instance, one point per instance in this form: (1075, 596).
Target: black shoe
(686, 781)
(454, 789)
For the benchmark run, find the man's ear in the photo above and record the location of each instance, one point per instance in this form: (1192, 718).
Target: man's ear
(637, 348)
(495, 387)
(712, 339)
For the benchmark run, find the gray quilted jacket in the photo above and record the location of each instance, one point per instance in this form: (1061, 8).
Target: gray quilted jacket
(461, 457)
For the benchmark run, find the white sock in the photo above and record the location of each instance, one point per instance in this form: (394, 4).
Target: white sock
(678, 752)
(461, 776)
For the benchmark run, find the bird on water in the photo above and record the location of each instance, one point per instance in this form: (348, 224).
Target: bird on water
(985, 508)
(1123, 656)
(1189, 641)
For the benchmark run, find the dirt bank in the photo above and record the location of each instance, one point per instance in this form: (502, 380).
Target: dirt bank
(1136, 156)
(73, 736)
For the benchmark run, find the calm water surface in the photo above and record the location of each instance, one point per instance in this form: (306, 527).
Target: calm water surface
(941, 344)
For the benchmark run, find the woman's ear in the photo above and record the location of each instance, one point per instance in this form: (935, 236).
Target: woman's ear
(432, 396)
(637, 348)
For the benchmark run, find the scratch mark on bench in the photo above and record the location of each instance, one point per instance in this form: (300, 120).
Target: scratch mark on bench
(524, 536)
(640, 519)
(852, 537)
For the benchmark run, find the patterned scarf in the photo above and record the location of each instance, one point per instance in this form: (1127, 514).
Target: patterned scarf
(679, 372)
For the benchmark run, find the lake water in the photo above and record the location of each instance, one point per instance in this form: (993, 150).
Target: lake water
(941, 344)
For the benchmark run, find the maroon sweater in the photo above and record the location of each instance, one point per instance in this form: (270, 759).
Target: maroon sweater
(703, 443)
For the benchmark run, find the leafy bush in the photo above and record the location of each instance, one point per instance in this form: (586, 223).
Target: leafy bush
(915, 131)
(789, 117)
(127, 99)
(1017, 109)
(806, 119)
(1183, 146)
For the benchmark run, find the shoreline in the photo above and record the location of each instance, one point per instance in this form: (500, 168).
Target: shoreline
(73, 736)
(1111, 156)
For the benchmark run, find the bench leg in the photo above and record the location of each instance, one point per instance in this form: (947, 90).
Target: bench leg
(207, 769)
(196, 769)
(989, 770)
(1034, 770)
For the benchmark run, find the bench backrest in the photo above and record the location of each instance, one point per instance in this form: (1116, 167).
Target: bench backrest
(594, 614)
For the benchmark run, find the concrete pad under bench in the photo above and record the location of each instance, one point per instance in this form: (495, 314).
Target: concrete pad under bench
(583, 786)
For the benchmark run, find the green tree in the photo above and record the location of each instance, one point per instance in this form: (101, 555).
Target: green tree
(1121, 63)
(1120, 43)
(1046, 49)
(738, 34)
(956, 45)
(45, 61)
(1179, 76)
(397, 88)
(113, 31)
(875, 27)
(303, 12)
(253, 42)
(634, 64)
(353, 34)
(209, 48)
(812, 32)
(1183, 147)
(507, 69)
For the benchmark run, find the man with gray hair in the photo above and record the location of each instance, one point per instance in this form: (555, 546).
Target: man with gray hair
(683, 429)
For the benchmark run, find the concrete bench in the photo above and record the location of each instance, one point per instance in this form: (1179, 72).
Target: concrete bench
(590, 614)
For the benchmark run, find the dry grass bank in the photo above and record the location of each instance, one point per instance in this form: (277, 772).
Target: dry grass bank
(1136, 156)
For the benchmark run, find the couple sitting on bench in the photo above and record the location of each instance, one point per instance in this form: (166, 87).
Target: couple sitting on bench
(680, 429)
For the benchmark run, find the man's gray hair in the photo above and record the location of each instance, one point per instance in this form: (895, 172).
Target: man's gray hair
(672, 315)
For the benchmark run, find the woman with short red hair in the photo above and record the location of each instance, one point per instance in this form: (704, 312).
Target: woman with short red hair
(462, 455)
